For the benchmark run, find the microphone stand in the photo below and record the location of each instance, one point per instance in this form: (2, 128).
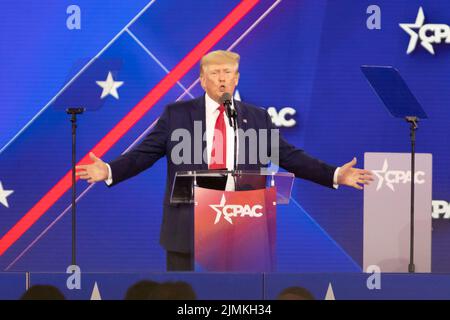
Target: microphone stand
(413, 121)
(74, 112)
(232, 118)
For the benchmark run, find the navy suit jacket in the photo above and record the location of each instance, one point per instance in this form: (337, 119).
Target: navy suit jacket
(178, 219)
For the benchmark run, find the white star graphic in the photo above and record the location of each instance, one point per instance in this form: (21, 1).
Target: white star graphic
(95, 295)
(380, 174)
(414, 35)
(3, 194)
(219, 211)
(330, 293)
(110, 86)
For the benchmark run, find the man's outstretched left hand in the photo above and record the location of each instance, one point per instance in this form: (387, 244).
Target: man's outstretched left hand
(353, 177)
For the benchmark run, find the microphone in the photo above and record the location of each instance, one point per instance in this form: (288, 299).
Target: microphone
(225, 99)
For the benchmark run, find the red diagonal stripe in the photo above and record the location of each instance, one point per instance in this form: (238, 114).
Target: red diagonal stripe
(41, 207)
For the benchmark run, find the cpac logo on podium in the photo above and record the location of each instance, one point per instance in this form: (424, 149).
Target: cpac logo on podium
(229, 211)
(391, 177)
(429, 34)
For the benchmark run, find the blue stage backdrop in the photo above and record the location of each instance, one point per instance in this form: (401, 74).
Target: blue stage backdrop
(303, 55)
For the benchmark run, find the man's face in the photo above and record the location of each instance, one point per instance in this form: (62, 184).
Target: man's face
(217, 79)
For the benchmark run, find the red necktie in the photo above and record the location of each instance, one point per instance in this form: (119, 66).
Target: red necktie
(219, 144)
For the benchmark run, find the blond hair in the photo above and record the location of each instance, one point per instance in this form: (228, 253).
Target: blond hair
(219, 57)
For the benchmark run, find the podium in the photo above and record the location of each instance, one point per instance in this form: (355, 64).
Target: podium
(386, 212)
(234, 229)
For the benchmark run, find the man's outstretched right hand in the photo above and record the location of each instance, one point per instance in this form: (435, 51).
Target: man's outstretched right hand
(94, 172)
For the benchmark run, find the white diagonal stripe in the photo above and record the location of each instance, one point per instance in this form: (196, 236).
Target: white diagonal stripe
(156, 60)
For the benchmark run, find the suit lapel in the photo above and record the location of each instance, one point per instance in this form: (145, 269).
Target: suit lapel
(241, 115)
(242, 124)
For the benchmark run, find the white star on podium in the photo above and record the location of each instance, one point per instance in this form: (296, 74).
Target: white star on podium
(381, 175)
(218, 211)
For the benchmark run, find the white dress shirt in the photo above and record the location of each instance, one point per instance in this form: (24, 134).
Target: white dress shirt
(212, 113)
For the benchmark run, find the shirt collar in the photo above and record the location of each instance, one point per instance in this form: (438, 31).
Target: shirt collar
(211, 105)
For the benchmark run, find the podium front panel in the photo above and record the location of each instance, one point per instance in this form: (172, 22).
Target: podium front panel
(387, 212)
(235, 230)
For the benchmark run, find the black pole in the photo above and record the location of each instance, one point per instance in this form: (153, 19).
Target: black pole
(235, 130)
(413, 127)
(73, 112)
(233, 116)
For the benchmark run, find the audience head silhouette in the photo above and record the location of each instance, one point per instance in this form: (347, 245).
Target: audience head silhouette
(295, 293)
(43, 292)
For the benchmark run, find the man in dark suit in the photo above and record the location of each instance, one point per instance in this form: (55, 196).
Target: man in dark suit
(218, 74)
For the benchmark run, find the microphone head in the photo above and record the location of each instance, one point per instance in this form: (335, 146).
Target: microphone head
(225, 99)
